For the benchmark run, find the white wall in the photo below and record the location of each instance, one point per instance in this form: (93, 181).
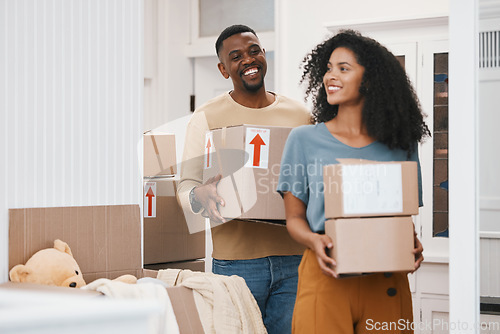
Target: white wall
(489, 157)
(168, 84)
(300, 25)
(71, 105)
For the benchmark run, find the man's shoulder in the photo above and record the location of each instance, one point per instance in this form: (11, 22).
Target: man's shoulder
(295, 108)
(214, 102)
(292, 102)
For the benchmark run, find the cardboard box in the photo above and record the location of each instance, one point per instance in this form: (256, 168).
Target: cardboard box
(105, 240)
(248, 157)
(166, 233)
(195, 265)
(106, 243)
(361, 188)
(159, 154)
(367, 245)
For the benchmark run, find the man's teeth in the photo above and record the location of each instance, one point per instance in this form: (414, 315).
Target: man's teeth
(250, 71)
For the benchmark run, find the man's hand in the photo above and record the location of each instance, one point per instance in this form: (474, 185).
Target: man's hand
(207, 196)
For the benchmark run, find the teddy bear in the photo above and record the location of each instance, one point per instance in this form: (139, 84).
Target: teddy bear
(54, 266)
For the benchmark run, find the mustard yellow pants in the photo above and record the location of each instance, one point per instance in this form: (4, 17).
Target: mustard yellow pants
(376, 303)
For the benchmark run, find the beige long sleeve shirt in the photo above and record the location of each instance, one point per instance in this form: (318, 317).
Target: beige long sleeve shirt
(238, 239)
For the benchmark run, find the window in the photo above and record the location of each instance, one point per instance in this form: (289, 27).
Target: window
(440, 151)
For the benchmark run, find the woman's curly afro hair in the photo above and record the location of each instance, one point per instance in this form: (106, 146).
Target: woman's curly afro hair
(391, 111)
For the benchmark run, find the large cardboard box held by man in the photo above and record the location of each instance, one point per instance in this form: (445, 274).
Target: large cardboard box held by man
(361, 188)
(166, 232)
(368, 245)
(248, 157)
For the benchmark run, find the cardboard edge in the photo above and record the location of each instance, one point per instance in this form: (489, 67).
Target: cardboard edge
(186, 313)
(183, 304)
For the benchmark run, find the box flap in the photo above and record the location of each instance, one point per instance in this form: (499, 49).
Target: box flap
(186, 313)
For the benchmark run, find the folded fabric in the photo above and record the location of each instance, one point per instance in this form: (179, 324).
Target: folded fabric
(166, 323)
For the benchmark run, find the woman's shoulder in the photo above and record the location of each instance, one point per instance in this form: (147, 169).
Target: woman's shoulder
(304, 130)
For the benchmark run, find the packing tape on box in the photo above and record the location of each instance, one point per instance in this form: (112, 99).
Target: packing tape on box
(217, 149)
(223, 136)
(157, 152)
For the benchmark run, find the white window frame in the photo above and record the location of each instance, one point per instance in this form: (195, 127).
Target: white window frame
(463, 152)
(436, 249)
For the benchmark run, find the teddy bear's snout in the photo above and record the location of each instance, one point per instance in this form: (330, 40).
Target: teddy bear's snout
(72, 285)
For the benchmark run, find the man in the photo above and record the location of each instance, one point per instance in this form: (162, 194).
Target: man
(263, 254)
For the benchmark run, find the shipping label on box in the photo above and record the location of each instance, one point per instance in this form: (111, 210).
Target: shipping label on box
(166, 235)
(361, 188)
(159, 154)
(372, 189)
(368, 245)
(248, 157)
(257, 143)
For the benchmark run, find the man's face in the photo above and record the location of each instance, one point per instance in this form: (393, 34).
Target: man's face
(244, 61)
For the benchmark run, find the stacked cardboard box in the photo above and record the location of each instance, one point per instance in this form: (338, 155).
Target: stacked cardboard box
(248, 157)
(368, 206)
(159, 154)
(167, 240)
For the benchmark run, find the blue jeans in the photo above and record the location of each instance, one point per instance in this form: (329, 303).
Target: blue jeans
(273, 283)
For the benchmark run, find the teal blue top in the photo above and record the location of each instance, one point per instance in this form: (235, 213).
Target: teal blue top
(309, 148)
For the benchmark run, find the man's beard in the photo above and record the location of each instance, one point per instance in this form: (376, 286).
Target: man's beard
(254, 87)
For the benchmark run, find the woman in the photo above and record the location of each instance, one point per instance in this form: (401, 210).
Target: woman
(365, 108)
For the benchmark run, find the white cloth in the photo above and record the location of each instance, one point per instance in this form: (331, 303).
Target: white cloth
(224, 303)
(167, 323)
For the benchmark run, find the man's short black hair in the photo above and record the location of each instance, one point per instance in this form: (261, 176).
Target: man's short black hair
(230, 31)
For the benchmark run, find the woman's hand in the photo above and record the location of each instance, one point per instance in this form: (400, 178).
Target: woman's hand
(418, 251)
(320, 243)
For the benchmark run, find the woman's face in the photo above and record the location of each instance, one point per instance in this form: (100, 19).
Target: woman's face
(343, 78)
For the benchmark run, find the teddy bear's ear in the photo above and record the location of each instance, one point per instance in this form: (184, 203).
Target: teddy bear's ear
(19, 273)
(62, 246)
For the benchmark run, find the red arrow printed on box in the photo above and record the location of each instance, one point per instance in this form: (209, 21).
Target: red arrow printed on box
(257, 142)
(150, 196)
(209, 145)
